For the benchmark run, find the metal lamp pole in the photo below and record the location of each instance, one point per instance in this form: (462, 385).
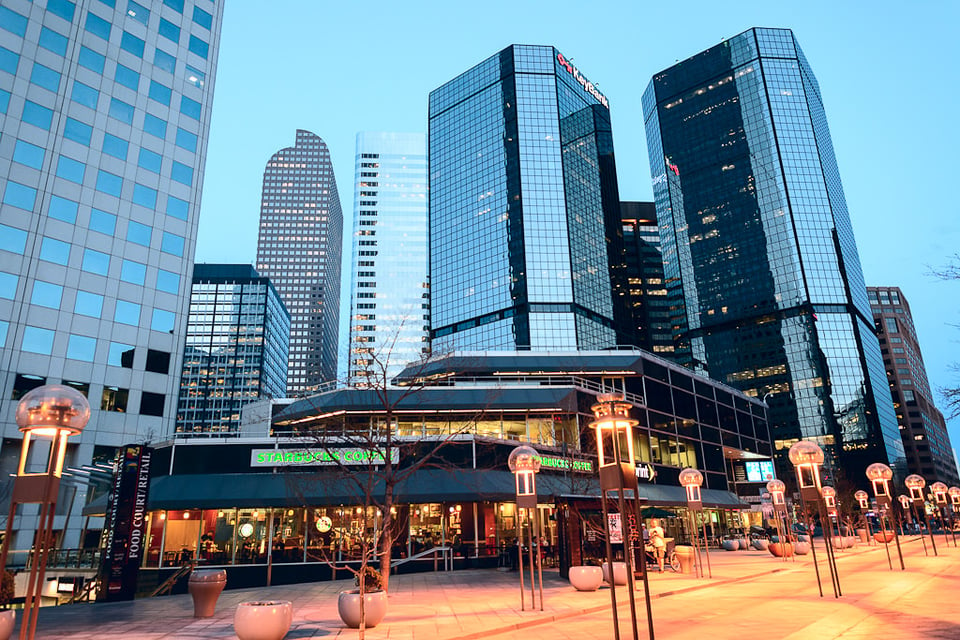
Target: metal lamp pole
(691, 480)
(525, 463)
(880, 476)
(915, 484)
(614, 428)
(807, 457)
(777, 488)
(57, 412)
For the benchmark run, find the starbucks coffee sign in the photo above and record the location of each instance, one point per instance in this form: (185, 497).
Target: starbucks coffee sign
(319, 457)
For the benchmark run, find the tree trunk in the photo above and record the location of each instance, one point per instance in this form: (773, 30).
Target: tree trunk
(386, 537)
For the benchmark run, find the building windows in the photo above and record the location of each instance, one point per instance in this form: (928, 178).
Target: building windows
(63, 209)
(138, 12)
(9, 61)
(144, 196)
(46, 294)
(45, 77)
(25, 383)
(95, 262)
(168, 281)
(160, 93)
(55, 251)
(61, 8)
(114, 146)
(190, 108)
(164, 61)
(114, 399)
(120, 355)
(8, 285)
(177, 208)
(29, 155)
(176, 5)
(127, 313)
(88, 304)
(133, 272)
(81, 348)
(12, 240)
(78, 131)
(186, 140)
(162, 321)
(37, 340)
(14, 22)
(37, 115)
(92, 60)
(155, 126)
(127, 77)
(169, 30)
(103, 222)
(87, 96)
(198, 47)
(70, 169)
(120, 110)
(132, 44)
(202, 18)
(172, 244)
(97, 26)
(109, 183)
(158, 361)
(182, 173)
(52, 41)
(151, 404)
(139, 233)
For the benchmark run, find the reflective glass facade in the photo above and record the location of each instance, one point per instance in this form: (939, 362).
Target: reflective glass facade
(238, 334)
(525, 237)
(389, 297)
(923, 430)
(298, 249)
(647, 293)
(104, 121)
(757, 241)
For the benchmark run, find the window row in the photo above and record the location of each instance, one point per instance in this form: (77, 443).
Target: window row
(112, 398)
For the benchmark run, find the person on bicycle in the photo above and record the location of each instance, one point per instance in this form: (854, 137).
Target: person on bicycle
(658, 542)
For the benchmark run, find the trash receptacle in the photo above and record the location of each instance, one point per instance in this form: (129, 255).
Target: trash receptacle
(686, 558)
(205, 586)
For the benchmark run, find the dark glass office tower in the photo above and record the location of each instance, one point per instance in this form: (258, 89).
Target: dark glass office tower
(525, 239)
(301, 227)
(757, 239)
(923, 430)
(238, 337)
(647, 295)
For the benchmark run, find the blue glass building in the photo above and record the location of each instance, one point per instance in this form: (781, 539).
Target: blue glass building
(757, 241)
(525, 239)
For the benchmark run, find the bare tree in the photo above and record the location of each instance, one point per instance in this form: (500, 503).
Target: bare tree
(950, 394)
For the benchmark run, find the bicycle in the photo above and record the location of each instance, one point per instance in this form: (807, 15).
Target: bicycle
(670, 558)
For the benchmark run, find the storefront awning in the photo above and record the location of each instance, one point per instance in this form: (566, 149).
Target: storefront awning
(248, 490)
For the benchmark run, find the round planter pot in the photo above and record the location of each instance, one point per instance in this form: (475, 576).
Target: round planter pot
(801, 548)
(839, 542)
(205, 586)
(780, 549)
(267, 620)
(8, 617)
(619, 572)
(586, 578)
(374, 608)
(862, 534)
(744, 544)
(730, 545)
(761, 544)
(802, 537)
(883, 537)
(685, 556)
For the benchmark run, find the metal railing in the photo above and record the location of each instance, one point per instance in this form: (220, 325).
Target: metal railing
(57, 558)
(438, 553)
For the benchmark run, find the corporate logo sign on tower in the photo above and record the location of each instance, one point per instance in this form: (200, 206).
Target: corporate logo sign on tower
(586, 84)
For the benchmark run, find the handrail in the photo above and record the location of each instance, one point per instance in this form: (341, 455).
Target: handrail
(446, 552)
(167, 585)
(85, 592)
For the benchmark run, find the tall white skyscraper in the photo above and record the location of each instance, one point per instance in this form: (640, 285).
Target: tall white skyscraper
(104, 116)
(301, 232)
(390, 298)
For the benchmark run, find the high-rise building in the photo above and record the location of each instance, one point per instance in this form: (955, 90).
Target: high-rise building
(922, 427)
(298, 249)
(106, 111)
(647, 294)
(757, 241)
(525, 238)
(389, 297)
(238, 335)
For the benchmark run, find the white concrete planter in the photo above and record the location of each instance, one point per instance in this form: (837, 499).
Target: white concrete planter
(585, 578)
(374, 608)
(801, 548)
(730, 545)
(268, 620)
(8, 617)
(761, 544)
(619, 572)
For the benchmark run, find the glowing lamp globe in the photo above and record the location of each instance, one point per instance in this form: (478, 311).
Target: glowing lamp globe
(904, 500)
(829, 492)
(52, 410)
(863, 498)
(880, 475)
(940, 491)
(612, 420)
(954, 493)
(524, 459)
(690, 477)
(776, 486)
(915, 484)
(805, 452)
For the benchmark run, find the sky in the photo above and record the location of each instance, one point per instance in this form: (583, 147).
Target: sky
(886, 71)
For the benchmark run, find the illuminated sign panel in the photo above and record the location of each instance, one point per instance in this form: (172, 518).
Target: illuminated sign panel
(565, 464)
(761, 471)
(318, 457)
(586, 84)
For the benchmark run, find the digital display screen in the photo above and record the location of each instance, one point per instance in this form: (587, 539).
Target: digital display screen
(760, 471)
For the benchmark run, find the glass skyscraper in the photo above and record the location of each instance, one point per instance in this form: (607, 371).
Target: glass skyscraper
(389, 297)
(647, 294)
(757, 241)
(238, 336)
(104, 116)
(525, 238)
(923, 430)
(298, 248)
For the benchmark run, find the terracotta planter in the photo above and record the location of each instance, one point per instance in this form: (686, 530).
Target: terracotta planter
(267, 620)
(586, 578)
(374, 608)
(685, 556)
(780, 549)
(801, 548)
(883, 537)
(619, 572)
(8, 617)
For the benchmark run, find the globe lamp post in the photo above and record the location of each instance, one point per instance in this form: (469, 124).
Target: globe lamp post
(830, 503)
(525, 463)
(614, 429)
(55, 412)
(863, 498)
(777, 489)
(691, 480)
(915, 484)
(807, 457)
(880, 476)
(940, 490)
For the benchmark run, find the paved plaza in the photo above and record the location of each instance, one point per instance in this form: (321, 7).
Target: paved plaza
(750, 595)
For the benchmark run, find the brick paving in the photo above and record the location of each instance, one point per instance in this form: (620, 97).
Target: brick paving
(751, 594)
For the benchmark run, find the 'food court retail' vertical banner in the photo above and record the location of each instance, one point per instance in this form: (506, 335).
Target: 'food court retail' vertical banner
(124, 533)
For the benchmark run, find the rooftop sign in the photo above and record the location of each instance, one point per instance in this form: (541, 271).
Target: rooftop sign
(586, 84)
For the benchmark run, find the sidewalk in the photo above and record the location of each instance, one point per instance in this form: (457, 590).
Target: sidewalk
(456, 605)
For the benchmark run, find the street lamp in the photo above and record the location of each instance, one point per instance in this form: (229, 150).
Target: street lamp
(830, 502)
(807, 457)
(864, 499)
(905, 510)
(915, 484)
(691, 480)
(880, 476)
(614, 428)
(954, 493)
(57, 412)
(777, 489)
(525, 463)
(940, 494)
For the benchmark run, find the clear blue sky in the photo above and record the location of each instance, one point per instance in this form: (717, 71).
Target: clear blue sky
(887, 71)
